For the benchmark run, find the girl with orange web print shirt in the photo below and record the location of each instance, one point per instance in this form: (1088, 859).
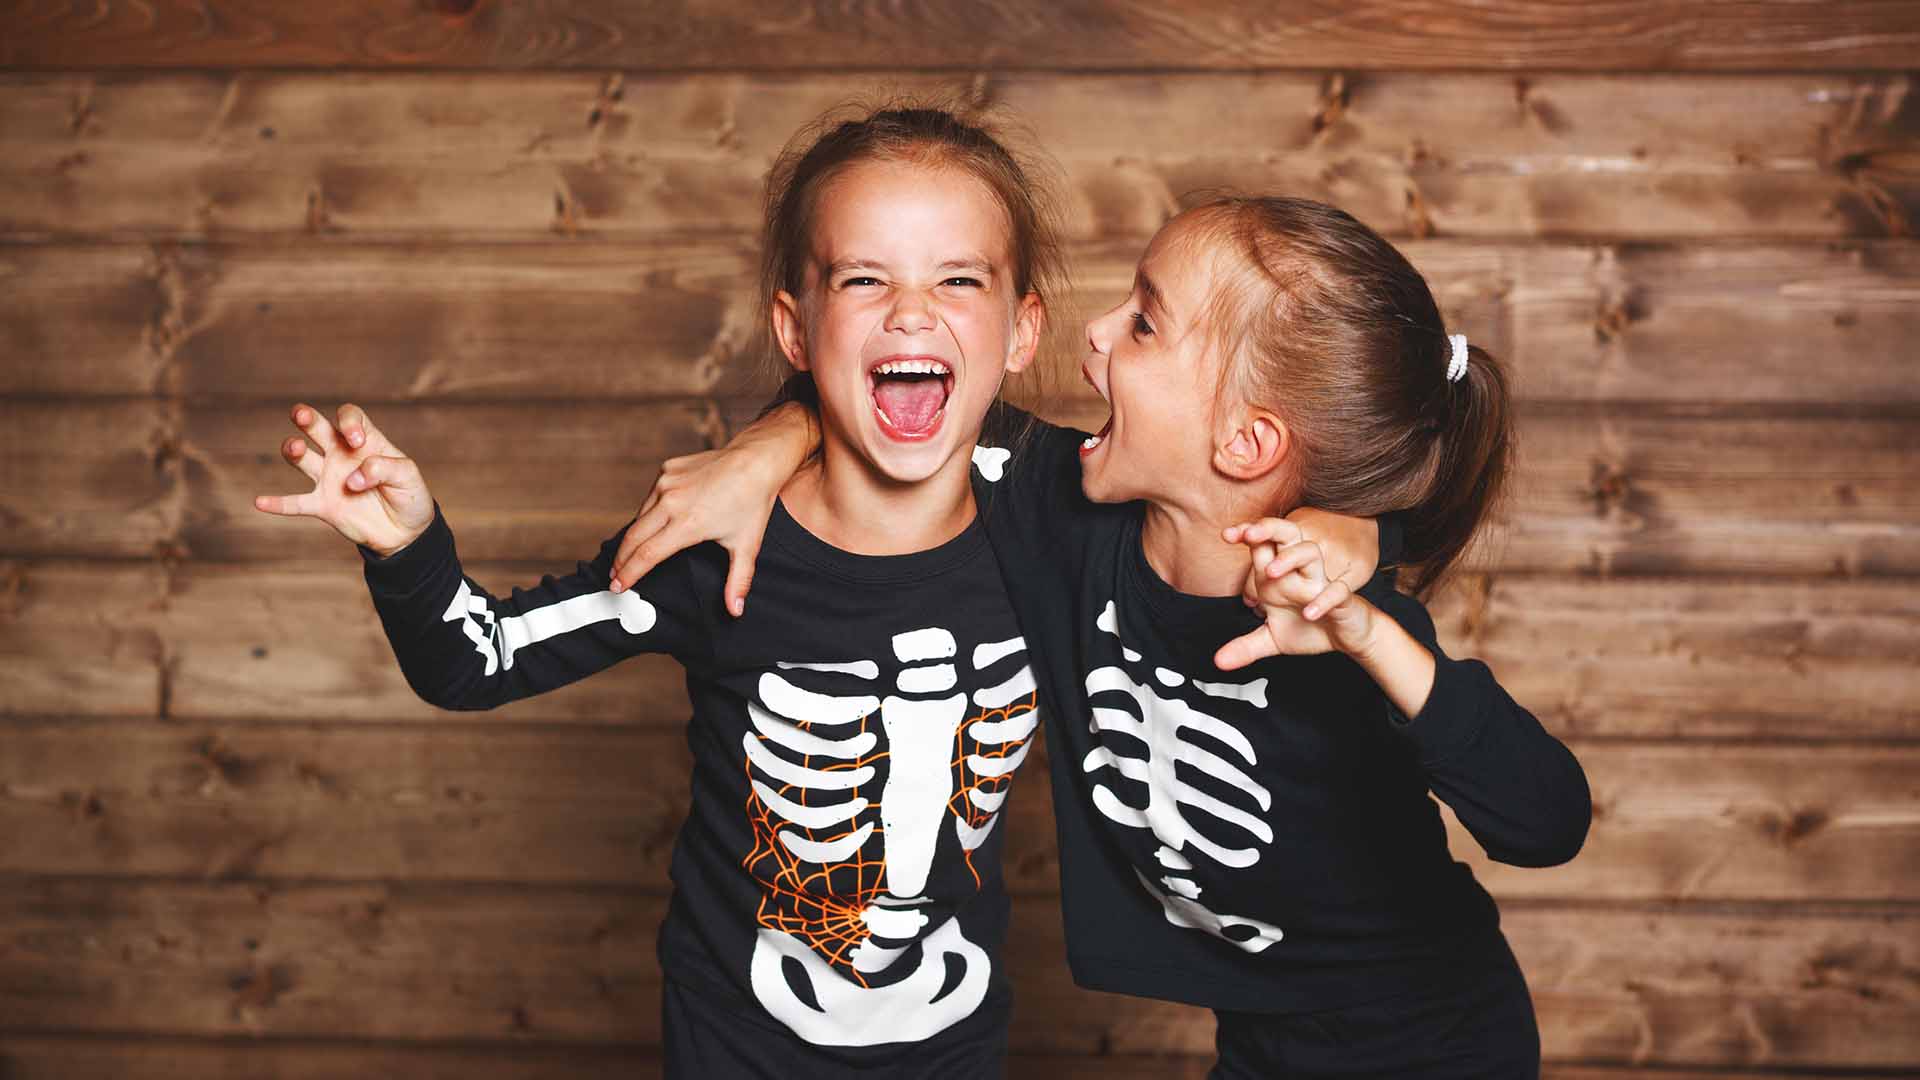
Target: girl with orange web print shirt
(838, 903)
(1242, 796)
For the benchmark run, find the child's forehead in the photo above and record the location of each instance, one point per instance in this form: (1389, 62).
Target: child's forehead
(1183, 258)
(884, 211)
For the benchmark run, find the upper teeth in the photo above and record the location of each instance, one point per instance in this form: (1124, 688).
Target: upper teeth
(911, 367)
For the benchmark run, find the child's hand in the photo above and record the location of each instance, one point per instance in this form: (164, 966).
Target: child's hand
(363, 485)
(1305, 611)
(1351, 545)
(723, 495)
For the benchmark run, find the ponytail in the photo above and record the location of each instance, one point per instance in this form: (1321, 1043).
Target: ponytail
(1471, 458)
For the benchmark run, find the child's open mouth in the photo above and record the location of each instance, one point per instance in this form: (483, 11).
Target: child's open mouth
(910, 395)
(1092, 442)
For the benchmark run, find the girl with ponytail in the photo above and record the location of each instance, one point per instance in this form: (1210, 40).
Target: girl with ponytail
(1242, 796)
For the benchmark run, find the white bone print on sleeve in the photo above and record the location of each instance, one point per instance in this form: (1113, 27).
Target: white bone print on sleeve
(842, 913)
(497, 640)
(1231, 834)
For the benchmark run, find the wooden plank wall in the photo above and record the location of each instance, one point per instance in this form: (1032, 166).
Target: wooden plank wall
(232, 843)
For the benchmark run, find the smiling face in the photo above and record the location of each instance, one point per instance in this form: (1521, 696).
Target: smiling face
(1154, 362)
(907, 316)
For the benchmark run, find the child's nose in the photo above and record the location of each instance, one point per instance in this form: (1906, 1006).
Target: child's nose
(1100, 332)
(912, 310)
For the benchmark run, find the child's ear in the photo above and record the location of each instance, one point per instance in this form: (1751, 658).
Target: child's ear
(1254, 447)
(1027, 324)
(786, 329)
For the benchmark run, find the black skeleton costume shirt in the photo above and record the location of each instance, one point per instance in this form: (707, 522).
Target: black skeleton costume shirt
(854, 734)
(1259, 840)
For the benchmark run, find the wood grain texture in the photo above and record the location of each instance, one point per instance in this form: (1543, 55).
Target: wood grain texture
(1734, 324)
(447, 802)
(1591, 657)
(526, 157)
(53, 1057)
(300, 641)
(951, 34)
(1607, 492)
(1695, 659)
(570, 967)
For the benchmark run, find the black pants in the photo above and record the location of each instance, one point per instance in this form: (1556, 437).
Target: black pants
(1476, 1023)
(705, 1038)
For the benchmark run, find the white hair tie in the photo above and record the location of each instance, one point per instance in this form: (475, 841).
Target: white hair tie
(1457, 366)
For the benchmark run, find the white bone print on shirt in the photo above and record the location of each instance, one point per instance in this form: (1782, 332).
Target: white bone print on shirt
(813, 760)
(1159, 725)
(497, 641)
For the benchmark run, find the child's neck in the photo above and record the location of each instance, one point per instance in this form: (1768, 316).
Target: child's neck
(1184, 547)
(845, 502)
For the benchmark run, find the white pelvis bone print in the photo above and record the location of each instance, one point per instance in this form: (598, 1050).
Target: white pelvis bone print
(807, 753)
(1160, 726)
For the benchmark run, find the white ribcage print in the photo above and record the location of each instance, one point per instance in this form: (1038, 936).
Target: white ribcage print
(835, 915)
(1187, 821)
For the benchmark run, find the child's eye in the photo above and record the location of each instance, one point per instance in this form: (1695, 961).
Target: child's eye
(969, 282)
(1141, 326)
(852, 281)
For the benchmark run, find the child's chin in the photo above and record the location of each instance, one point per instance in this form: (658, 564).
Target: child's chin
(909, 463)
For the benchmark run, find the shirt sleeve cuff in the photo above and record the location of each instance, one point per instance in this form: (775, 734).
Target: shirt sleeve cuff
(1450, 720)
(405, 570)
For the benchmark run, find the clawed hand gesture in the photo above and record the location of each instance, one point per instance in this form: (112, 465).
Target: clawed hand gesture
(363, 485)
(1306, 612)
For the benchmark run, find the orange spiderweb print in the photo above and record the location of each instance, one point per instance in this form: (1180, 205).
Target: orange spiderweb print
(962, 805)
(822, 904)
(817, 903)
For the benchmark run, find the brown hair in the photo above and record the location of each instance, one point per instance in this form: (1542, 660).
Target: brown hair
(1330, 327)
(918, 133)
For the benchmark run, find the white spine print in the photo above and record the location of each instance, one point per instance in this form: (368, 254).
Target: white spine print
(811, 779)
(1158, 724)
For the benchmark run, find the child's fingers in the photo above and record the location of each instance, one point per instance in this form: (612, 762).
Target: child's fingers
(1255, 644)
(296, 453)
(1272, 530)
(641, 548)
(396, 472)
(740, 564)
(355, 425)
(288, 505)
(1289, 559)
(308, 419)
(1336, 593)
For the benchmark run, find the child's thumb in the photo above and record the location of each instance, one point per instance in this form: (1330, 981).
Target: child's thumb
(1255, 644)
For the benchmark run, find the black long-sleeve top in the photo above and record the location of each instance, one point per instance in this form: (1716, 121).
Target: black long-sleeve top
(855, 736)
(1261, 840)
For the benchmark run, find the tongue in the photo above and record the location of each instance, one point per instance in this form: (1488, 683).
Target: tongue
(910, 405)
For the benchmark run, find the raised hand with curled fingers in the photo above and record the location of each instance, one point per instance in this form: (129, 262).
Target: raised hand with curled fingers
(370, 491)
(1307, 611)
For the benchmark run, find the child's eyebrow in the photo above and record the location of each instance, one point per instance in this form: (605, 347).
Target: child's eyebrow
(1155, 298)
(842, 265)
(978, 263)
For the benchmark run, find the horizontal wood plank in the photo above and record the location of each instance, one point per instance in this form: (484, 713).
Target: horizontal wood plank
(1711, 324)
(1733, 658)
(54, 1057)
(1645, 156)
(1596, 491)
(297, 642)
(1672, 822)
(1654, 987)
(1683, 34)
